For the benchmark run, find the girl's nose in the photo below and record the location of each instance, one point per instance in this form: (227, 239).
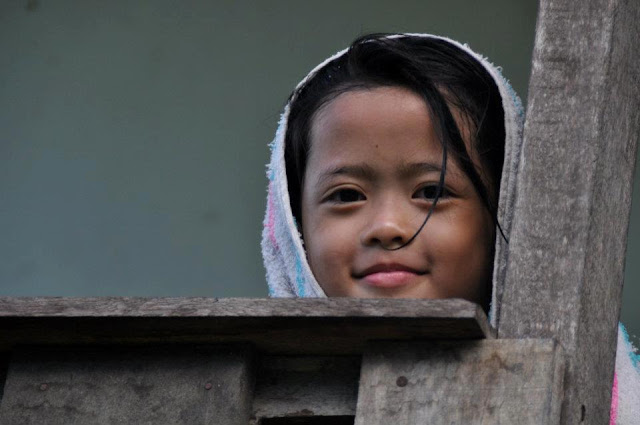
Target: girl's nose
(388, 228)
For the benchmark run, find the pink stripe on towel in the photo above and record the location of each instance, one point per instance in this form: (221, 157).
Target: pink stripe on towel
(614, 401)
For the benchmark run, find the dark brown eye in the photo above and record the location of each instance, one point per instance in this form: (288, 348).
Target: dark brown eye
(344, 196)
(429, 192)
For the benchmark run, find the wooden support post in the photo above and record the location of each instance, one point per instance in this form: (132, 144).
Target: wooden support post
(568, 240)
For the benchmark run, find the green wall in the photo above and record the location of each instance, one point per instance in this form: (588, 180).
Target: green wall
(133, 135)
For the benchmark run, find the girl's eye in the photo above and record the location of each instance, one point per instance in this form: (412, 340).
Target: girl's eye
(344, 196)
(430, 192)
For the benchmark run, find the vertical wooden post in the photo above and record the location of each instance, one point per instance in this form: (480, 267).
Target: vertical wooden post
(567, 248)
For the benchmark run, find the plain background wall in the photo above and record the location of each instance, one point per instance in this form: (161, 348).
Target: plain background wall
(133, 135)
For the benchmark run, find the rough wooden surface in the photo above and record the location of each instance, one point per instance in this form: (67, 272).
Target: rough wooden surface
(160, 385)
(306, 386)
(294, 326)
(473, 382)
(568, 240)
(234, 307)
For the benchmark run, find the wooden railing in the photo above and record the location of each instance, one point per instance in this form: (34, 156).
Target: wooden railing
(258, 361)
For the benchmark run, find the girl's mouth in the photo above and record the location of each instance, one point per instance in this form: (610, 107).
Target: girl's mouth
(390, 279)
(389, 275)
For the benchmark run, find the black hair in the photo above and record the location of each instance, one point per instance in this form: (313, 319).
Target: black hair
(442, 74)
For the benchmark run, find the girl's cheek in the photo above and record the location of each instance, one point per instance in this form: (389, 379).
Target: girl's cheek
(333, 235)
(466, 236)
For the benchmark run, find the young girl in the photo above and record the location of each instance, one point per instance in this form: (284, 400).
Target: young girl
(392, 175)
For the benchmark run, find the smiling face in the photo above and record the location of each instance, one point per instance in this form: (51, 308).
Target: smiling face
(371, 176)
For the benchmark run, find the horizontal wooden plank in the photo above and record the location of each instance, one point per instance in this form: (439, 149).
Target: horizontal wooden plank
(118, 385)
(287, 326)
(487, 382)
(233, 307)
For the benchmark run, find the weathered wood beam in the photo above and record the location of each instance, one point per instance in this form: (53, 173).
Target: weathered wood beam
(486, 382)
(276, 326)
(567, 248)
(120, 385)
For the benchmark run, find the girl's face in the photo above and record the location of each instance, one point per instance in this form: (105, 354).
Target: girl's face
(371, 176)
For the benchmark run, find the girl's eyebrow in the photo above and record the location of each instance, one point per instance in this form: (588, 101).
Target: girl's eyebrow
(415, 168)
(365, 171)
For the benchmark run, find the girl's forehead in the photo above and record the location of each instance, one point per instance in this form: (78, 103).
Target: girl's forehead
(389, 129)
(367, 134)
(372, 119)
(370, 106)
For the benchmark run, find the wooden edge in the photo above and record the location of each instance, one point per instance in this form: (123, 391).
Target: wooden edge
(291, 326)
(483, 322)
(235, 307)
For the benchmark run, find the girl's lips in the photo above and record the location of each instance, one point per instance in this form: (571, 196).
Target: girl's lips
(390, 279)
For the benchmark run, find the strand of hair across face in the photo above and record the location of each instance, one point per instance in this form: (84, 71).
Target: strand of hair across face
(443, 172)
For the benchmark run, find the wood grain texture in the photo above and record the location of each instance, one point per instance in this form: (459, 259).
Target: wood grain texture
(288, 386)
(292, 326)
(473, 382)
(233, 307)
(567, 248)
(154, 385)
